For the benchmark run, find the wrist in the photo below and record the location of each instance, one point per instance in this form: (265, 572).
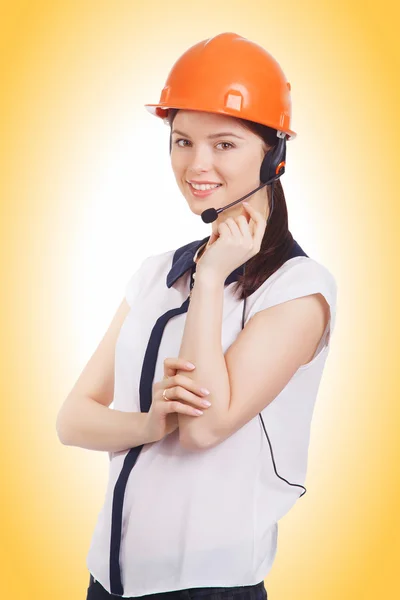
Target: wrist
(209, 277)
(147, 434)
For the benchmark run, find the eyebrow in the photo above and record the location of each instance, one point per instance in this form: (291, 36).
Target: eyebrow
(213, 135)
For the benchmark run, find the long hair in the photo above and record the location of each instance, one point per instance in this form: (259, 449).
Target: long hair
(277, 241)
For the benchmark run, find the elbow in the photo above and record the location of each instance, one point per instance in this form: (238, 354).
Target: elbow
(61, 432)
(187, 443)
(61, 436)
(197, 435)
(199, 442)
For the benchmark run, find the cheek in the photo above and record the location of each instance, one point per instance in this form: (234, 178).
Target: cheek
(239, 168)
(177, 167)
(240, 175)
(252, 166)
(251, 173)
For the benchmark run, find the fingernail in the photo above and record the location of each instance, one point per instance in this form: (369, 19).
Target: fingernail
(190, 365)
(204, 391)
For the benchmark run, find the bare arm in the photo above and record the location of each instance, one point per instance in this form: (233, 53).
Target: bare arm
(85, 419)
(256, 367)
(201, 345)
(85, 423)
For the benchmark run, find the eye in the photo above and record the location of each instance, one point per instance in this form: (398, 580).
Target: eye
(180, 140)
(226, 144)
(184, 140)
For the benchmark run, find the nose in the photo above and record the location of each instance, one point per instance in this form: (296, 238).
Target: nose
(201, 159)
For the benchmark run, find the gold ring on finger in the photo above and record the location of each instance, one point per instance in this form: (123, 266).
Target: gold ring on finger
(164, 394)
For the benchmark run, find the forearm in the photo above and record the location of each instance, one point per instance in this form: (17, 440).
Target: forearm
(202, 345)
(85, 423)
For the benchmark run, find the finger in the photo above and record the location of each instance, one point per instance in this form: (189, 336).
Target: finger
(251, 215)
(246, 226)
(188, 384)
(173, 364)
(184, 395)
(178, 407)
(259, 222)
(224, 230)
(233, 227)
(254, 214)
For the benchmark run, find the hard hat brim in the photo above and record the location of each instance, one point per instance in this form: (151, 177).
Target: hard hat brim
(158, 110)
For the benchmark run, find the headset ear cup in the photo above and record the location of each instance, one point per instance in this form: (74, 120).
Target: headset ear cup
(272, 159)
(266, 167)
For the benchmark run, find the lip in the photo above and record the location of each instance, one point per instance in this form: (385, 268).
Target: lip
(202, 193)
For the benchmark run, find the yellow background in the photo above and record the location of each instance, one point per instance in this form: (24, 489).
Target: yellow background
(86, 193)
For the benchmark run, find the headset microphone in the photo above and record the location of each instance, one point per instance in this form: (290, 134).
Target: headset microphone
(210, 214)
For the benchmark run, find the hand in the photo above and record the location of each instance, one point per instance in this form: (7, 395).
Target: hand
(183, 394)
(238, 239)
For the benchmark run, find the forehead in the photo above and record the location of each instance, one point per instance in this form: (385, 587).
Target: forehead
(198, 120)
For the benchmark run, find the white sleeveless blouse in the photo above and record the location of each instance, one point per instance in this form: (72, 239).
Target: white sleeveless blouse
(208, 517)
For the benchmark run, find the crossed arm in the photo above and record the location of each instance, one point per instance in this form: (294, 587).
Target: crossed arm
(265, 355)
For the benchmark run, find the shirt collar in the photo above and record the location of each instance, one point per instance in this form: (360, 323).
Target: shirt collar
(183, 259)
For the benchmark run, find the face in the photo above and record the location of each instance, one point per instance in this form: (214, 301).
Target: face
(216, 149)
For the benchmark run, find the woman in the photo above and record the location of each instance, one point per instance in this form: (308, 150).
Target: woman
(193, 499)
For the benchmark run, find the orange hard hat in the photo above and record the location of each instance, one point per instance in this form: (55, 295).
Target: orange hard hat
(229, 75)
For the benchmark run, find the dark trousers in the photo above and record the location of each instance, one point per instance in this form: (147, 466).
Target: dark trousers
(96, 591)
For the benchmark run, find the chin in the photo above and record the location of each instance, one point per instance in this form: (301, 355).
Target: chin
(197, 210)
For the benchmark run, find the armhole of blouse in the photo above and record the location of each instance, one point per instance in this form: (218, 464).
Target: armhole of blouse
(322, 348)
(303, 279)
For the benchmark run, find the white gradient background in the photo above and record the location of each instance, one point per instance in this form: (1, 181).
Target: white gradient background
(87, 193)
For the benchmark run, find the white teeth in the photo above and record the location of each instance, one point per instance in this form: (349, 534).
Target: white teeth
(204, 186)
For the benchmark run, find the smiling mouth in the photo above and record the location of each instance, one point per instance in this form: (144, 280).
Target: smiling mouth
(204, 187)
(204, 191)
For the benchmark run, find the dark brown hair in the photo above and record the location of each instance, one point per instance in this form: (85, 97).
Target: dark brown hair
(277, 242)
